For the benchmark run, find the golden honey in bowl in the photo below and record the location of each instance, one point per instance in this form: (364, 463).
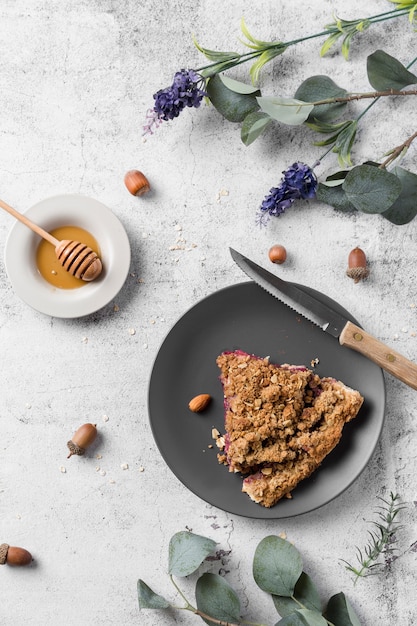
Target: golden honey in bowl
(48, 265)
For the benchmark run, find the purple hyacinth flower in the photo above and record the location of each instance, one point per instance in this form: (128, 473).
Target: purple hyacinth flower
(186, 91)
(299, 181)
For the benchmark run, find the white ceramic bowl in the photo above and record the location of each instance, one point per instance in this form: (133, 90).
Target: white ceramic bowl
(86, 213)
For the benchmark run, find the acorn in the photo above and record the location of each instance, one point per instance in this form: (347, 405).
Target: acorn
(82, 438)
(357, 265)
(14, 556)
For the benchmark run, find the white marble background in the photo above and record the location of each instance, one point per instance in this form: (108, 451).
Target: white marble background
(76, 79)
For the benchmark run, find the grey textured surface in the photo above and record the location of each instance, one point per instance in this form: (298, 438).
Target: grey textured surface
(76, 80)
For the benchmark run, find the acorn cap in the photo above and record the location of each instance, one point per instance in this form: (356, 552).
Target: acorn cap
(4, 548)
(74, 448)
(358, 273)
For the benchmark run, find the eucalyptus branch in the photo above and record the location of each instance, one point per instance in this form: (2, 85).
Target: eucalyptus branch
(398, 151)
(362, 96)
(221, 622)
(277, 570)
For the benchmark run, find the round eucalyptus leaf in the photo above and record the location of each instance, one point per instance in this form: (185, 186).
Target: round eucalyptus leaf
(371, 189)
(216, 598)
(187, 551)
(148, 599)
(277, 566)
(318, 88)
(335, 196)
(305, 592)
(286, 110)
(404, 208)
(339, 611)
(232, 105)
(304, 617)
(386, 72)
(253, 125)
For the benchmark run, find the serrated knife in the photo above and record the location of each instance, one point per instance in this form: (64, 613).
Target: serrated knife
(329, 320)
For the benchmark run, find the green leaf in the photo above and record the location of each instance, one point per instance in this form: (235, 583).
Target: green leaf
(371, 189)
(340, 612)
(324, 127)
(253, 125)
(233, 106)
(216, 598)
(187, 551)
(277, 566)
(335, 196)
(148, 599)
(385, 72)
(215, 55)
(303, 617)
(264, 58)
(256, 44)
(237, 86)
(318, 88)
(330, 41)
(286, 110)
(305, 593)
(404, 208)
(216, 68)
(344, 142)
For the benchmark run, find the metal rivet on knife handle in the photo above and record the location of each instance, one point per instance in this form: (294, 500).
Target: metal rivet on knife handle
(391, 361)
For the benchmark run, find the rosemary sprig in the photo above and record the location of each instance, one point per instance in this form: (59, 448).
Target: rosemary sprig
(381, 540)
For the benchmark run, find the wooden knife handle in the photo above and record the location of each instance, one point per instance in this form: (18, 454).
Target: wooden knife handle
(391, 361)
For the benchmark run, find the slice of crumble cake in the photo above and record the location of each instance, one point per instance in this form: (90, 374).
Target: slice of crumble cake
(280, 422)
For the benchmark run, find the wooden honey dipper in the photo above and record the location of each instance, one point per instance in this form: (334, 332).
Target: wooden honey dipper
(77, 258)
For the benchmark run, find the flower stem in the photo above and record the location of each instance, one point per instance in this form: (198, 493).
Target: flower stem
(330, 30)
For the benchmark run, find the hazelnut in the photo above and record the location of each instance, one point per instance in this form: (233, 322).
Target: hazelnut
(82, 438)
(357, 265)
(277, 254)
(199, 403)
(14, 556)
(136, 183)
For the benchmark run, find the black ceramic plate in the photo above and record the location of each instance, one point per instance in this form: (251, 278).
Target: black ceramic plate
(245, 317)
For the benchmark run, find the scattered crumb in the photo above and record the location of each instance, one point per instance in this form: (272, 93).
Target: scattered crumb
(404, 330)
(221, 194)
(132, 331)
(178, 227)
(141, 468)
(124, 466)
(28, 406)
(105, 418)
(102, 472)
(99, 456)
(145, 346)
(116, 308)
(62, 470)
(283, 535)
(314, 362)
(84, 340)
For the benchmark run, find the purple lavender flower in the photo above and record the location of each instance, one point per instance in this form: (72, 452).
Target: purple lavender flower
(185, 91)
(299, 181)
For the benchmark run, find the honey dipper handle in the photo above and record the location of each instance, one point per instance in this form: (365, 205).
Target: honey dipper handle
(27, 222)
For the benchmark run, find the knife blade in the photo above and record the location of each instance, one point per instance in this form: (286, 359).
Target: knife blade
(325, 317)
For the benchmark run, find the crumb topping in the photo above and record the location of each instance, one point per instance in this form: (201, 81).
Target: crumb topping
(280, 422)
